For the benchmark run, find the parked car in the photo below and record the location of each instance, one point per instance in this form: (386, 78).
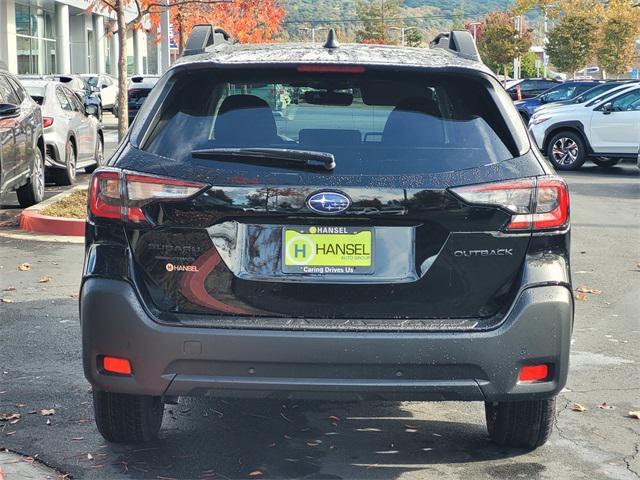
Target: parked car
(530, 87)
(593, 94)
(139, 88)
(563, 92)
(107, 87)
(73, 135)
(397, 238)
(604, 132)
(87, 94)
(21, 143)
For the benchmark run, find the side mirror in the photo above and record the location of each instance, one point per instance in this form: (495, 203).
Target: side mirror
(607, 108)
(9, 110)
(104, 85)
(91, 109)
(544, 99)
(579, 99)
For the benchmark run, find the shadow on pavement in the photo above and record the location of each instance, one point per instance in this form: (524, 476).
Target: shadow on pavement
(232, 439)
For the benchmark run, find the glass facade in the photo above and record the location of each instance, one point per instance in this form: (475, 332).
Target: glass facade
(35, 38)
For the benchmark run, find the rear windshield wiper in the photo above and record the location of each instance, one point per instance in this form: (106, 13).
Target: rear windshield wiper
(268, 155)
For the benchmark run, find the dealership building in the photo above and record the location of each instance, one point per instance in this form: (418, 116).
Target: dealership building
(67, 36)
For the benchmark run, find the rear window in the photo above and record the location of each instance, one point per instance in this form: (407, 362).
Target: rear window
(373, 123)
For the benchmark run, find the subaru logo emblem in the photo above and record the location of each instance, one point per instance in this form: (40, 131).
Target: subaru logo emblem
(328, 202)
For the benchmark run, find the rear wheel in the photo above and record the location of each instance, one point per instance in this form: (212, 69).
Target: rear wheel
(525, 424)
(98, 155)
(33, 191)
(566, 151)
(123, 418)
(605, 162)
(67, 175)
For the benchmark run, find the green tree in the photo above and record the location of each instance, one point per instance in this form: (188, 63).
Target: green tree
(528, 65)
(413, 37)
(616, 48)
(458, 14)
(574, 39)
(374, 15)
(501, 42)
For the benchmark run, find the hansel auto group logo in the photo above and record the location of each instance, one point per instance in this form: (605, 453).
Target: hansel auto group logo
(300, 249)
(328, 202)
(172, 267)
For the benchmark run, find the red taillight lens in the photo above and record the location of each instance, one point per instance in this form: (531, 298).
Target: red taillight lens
(118, 365)
(47, 121)
(534, 373)
(104, 198)
(115, 195)
(535, 203)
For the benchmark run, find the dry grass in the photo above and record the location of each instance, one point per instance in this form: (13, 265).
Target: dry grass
(73, 206)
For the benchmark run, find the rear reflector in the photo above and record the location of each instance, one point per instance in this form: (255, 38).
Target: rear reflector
(331, 69)
(118, 365)
(534, 373)
(118, 195)
(535, 203)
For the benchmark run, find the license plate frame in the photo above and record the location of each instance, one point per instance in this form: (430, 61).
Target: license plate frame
(345, 250)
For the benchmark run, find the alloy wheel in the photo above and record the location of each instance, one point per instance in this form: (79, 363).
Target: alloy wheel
(38, 175)
(71, 162)
(565, 151)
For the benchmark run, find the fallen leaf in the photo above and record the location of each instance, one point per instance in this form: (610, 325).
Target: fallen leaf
(635, 415)
(9, 289)
(6, 300)
(23, 267)
(576, 407)
(333, 418)
(77, 438)
(581, 296)
(47, 411)
(89, 456)
(256, 473)
(44, 280)
(48, 421)
(606, 406)
(411, 427)
(74, 295)
(5, 417)
(20, 405)
(10, 433)
(313, 443)
(593, 291)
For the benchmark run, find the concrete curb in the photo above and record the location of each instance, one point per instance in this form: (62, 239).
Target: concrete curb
(31, 220)
(14, 466)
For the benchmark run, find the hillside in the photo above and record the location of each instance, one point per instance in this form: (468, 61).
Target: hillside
(430, 15)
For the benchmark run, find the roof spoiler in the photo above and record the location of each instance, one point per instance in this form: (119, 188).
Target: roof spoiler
(458, 42)
(203, 36)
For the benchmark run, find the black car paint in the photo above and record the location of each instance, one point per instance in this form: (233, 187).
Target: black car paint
(20, 134)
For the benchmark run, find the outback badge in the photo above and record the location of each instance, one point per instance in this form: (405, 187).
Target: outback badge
(328, 202)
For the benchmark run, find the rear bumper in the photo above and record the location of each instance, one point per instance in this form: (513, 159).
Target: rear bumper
(168, 360)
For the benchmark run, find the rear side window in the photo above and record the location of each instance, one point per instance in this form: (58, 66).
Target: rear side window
(383, 123)
(63, 100)
(7, 94)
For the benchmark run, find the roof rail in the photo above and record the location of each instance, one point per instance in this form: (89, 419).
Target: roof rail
(459, 42)
(203, 36)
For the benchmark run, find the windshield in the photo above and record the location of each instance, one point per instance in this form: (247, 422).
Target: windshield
(93, 81)
(372, 124)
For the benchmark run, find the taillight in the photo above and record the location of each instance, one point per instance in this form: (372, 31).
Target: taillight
(331, 69)
(535, 203)
(47, 121)
(124, 195)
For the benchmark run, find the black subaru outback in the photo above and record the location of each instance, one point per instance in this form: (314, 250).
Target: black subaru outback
(327, 221)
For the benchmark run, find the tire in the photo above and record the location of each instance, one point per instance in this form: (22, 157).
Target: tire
(566, 150)
(66, 176)
(33, 191)
(524, 424)
(98, 155)
(605, 162)
(123, 418)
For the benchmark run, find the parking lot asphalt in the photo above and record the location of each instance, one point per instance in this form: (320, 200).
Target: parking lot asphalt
(40, 368)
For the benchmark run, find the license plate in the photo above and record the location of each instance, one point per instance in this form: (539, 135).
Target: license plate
(327, 250)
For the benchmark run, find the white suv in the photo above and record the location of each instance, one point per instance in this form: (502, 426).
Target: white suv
(605, 132)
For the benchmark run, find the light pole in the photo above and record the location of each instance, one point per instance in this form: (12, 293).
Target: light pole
(402, 30)
(313, 31)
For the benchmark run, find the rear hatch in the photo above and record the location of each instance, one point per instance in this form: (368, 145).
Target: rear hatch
(339, 211)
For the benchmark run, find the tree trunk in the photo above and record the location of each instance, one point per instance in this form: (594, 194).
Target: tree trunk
(123, 114)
